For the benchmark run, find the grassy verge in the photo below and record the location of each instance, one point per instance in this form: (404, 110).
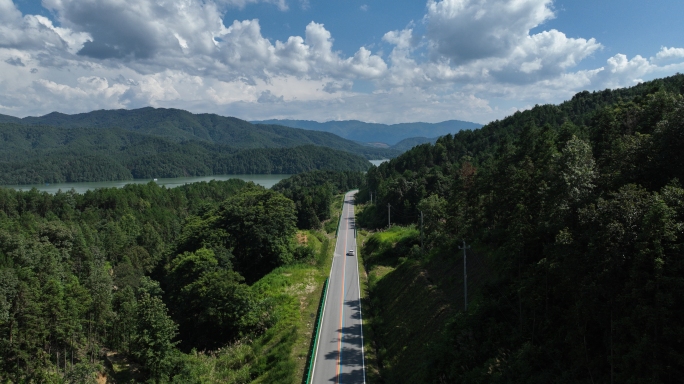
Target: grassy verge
(279, 355)
(303, 284)
(309, 302)
(370, 356)
(410, 297)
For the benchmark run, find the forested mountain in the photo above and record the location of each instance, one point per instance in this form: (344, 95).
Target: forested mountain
(575, 215)
(383, 133)
(178, 126)
(44, 154)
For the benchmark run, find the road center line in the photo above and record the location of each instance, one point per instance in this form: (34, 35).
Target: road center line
(344, 264)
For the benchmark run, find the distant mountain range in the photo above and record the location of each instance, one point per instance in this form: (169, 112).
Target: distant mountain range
(157, 142)
(379, 133)
(179, 125)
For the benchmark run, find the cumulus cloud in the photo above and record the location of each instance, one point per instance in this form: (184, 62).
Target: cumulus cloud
(190, 54)
(669, 55)
(141, 29)
(620, 70)
(151, 35)
(467, 30)
(337, 86)
(35, 32)
(486, 41)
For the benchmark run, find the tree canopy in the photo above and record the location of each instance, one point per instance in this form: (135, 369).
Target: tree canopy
(578, 209)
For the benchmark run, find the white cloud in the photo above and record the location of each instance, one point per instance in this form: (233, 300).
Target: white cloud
(151, 35)
(35, 32)
(467, 30)
(669, 55)
(489, 40)
(462, 60)
(337, 86)
(74, 40)
(620, 71)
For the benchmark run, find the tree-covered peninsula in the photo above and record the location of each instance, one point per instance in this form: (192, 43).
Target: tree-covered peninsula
(46, 154)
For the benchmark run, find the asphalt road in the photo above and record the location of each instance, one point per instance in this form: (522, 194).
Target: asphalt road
(339, 353)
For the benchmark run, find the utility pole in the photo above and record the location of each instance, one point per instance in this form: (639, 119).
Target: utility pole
(371, 198)
(421, 230)
(465, 275)
(388, 215)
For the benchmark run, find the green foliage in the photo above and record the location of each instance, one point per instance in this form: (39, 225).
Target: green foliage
(211, 304)
(150, 143)
(576, 210)
(312, 193)
(260, 225)
(154, 331)
(42, 154)
(146, 273)
(80, 273)
(182, 126)
(411, 142)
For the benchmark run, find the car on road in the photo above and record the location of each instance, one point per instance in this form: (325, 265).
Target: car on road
(350, 253)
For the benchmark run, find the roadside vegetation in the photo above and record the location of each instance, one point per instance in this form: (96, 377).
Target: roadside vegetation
(204, 283)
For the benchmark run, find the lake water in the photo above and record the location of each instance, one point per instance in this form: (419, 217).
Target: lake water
(378, 162)
(266, 180)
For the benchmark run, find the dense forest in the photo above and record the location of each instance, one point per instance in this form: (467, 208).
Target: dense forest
(154, 275)
(43, 154)
(411, 142)
(312, 193)
(577, 212)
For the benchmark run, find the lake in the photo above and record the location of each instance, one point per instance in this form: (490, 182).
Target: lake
(265, 180)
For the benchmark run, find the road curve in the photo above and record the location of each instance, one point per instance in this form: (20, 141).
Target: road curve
(339, 355)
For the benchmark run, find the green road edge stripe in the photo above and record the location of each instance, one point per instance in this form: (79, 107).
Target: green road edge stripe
(318, 329)
(321, 305)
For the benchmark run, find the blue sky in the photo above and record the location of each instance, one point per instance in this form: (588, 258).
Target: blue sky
(371, 60)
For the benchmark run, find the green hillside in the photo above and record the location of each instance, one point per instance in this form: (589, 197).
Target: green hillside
(43, 154)
(179, 126)
(411, 142)
(574, 214)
